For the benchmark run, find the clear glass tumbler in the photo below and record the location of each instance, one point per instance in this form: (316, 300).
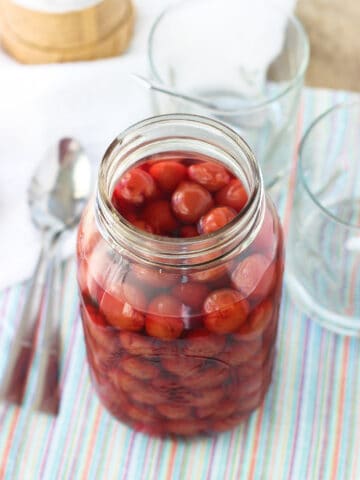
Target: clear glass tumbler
(247, 59)
(323, 262)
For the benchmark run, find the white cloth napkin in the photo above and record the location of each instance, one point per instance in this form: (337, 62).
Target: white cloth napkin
(91, 101)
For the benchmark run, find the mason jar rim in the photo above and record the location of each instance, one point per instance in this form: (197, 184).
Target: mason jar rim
(167, 250)
(250, 108)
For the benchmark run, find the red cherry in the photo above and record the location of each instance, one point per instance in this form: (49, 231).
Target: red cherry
(164, 317)
(141, 415)
(239, 353)
(168, 174)
(94, 316)
(215, 374)
(130, 215)
(165, 384)
(118, 310)
(135, 186)
(188, 231)
(127, 383)
(271, 329)
(182, 365)
(191, 293)
(130, 293)
(232, 195)
(153, 277)
(142, 225)
(255, 365)
(210, 175)
(215, 219)
(159, 216)
(98, 271)
(210, 275)
(265, 242)
(137, 344)
(124, 288)
(254, 276)
(228, 407)
(204, 397)
(139, 367)
(126, 209)
(112, 394)
(254, 400)
(149, 396)
(261, 316)
(174, 411)
(202, 343)
(102, 335)
(225, 311)
(190, 201)
(98, 368)
(264, 358)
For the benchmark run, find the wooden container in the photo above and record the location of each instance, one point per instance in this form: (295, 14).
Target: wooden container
(35, 36)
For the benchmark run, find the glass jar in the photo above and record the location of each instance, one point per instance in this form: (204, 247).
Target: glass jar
(207, 366)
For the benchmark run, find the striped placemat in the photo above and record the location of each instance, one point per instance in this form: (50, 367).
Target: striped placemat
(308, 427)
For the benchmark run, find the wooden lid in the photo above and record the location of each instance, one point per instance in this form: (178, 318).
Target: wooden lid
(35, 37)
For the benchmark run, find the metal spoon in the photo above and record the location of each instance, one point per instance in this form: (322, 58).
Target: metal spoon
(149, 84)
(57, 194)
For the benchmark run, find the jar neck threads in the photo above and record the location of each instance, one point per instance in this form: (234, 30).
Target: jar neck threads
(188, 134)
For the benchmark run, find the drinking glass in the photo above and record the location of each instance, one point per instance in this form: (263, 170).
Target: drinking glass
(247, 59)
(323, 251)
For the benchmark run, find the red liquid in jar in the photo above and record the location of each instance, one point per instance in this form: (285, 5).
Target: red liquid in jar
(190, 353)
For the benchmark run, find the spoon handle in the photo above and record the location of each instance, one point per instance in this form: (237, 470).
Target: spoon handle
(172, 93)
(18, 367)
(48, 348)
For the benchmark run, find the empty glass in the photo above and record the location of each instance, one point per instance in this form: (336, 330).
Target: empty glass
(323, 251)
(247, 59)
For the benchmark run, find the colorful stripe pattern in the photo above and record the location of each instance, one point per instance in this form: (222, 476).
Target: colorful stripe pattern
(308, 427)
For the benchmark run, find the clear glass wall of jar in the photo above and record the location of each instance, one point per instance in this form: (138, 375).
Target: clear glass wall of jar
(207, 367)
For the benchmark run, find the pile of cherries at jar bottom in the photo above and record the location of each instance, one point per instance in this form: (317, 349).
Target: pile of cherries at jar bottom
(181, 354)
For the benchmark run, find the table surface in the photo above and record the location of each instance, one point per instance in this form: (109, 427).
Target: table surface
(306, 429)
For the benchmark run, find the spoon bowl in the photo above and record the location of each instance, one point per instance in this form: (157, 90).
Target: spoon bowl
(60, 187)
